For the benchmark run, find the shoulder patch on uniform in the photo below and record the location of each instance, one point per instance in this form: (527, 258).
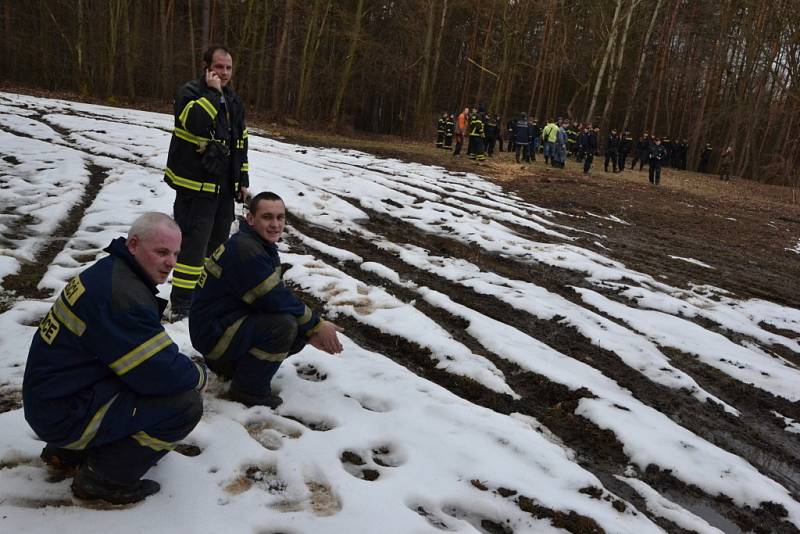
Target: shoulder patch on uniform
(74, 290)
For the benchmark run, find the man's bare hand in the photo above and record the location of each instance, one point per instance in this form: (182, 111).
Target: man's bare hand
(325, 339)
(213, 80)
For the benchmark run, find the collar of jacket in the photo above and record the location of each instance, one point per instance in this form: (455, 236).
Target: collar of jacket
(246, 229)
(118, 249)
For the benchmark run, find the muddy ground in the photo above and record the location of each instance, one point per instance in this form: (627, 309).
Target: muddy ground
(744, 230)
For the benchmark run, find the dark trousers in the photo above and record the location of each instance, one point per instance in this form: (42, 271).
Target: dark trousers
(439, 139)
(205, 224)
(587, 162)
(621, 160)
(475, 149)
(510, 146)
(490, 142)
(137, 431)
(448, 141)
(257, 350)
(612, 157)
(655, 172)
(524, 149)
(459, 144)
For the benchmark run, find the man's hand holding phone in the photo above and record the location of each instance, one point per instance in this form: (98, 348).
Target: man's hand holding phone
(213, 80)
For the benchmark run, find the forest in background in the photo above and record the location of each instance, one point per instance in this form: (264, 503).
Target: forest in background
(711, 71)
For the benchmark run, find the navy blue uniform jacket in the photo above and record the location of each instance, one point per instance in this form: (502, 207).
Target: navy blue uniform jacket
(101, 342)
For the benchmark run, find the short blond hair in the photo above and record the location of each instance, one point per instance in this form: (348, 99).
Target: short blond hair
(144, 226)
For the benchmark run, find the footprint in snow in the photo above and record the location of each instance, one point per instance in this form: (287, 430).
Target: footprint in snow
(368, 464)
(308, 371)
(270, 432)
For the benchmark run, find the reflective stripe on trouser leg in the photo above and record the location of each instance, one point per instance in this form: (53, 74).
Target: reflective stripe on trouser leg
(265, 340)
(141, 436)
(195, 216)
(223, 218)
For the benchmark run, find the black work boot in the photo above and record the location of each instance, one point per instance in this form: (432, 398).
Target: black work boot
(64, 460)
(251, 399)
(91, 486)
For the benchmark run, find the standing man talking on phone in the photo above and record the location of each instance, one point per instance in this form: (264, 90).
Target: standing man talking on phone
(207, 167)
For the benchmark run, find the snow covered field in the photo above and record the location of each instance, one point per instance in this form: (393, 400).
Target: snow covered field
(688, 398)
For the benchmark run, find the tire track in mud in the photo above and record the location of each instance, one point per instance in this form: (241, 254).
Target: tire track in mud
(24, 282)
(553, 404)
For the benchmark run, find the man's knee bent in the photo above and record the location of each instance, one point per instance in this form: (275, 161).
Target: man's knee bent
(281, 330)
(189, 408)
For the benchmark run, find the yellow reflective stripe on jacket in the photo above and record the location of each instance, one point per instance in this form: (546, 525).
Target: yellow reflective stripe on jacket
(188, 269)
(268, 356)
(303, 319)
(66, 317)
(267, 285)
(183, 283)
(203, 103)
(225, 340)
(91, 429)
(188, 136)
(194, 185)
(245, 134)
(140, 354)
(214, 268)
(245, 167)
(208, 106)
(146, 440)
(202, 380)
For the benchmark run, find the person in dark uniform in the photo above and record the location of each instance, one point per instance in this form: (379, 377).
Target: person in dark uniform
(572, 138)
(626, 144)
(642, 151)
(449, 130)
(441, 127)
(522, 136)
(683, 150)
(612, 149)
(726, 164)
(207, 167)
(589, 146)
(536, 137)
(105, 387)
(490, 131)
(705, 157)
(244, 320)
(656, 155)
(475, 149)
(498, 121)
(510, 126)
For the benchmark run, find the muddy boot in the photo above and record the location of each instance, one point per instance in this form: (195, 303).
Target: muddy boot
(62, 460)
(91, 486)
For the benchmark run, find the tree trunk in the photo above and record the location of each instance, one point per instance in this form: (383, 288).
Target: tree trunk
(278, 72)
(484, 48)
(437, 49)
(604, 63)
(310, 48)
(115, 12)
(349, 59)
(206, 36)
(421, 110)
(642, 56)
(618, 66)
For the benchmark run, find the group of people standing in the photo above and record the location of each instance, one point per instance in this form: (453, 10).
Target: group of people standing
(559, 139)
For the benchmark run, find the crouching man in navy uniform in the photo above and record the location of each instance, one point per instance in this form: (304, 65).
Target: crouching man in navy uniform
(105, 386)
(243, 319)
